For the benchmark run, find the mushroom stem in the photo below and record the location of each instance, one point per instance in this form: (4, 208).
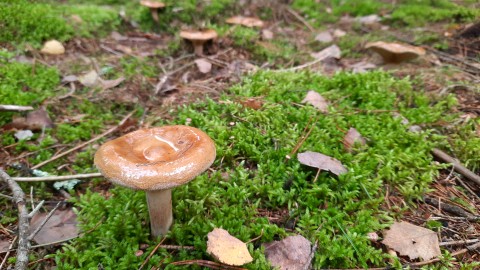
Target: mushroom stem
(160, 209)
(198, 47)
(154, 12)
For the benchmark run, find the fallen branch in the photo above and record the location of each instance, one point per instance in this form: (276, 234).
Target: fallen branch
(23, 221)
(457, 166)
(84, 144)
(453, 209)
(56, 177)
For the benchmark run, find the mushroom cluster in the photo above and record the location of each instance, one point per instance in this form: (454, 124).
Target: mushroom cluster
(156, 160)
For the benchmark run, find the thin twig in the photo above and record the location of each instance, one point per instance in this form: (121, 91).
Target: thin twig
(300, 18)
(151, 254)
(459, 242)
(310, 256)
(453, 209)
(174, 247)
(85, 143)
(56, 177)
(35, 210)
(15, 108)
(32, 235)
(458, 167)
(23, 222)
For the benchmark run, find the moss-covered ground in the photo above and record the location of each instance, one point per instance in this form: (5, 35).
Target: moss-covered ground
(252, 190)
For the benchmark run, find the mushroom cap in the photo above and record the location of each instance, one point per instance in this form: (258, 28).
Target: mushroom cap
(245, 21)
(53, 47)
(198, 35)
(156, 158)
(152, 4)
(395, 52)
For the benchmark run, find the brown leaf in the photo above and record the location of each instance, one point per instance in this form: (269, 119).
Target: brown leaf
(324, 37)
(35, 120)
(331, 51)
(252, 103)
(62, 225)
(107, 84)
(203, 65)
(291, 253)
(351, 138)
(4, 245)
(245, 21)
(322, 162)
(316, 100)
(412, 241)
(227, 249)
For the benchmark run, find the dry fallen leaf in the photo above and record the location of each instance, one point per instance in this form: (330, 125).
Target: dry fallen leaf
(252, 103)
(362, 67)
(331, 51)
(35, 120)
(351, 138)
(316, 100)
(227, 249)
(4, 245)
(89, 79)
(322, 162)
(61, 225)
(107, 84)
(412, 241)
(291, 253)
(324, 37)
(203, 65)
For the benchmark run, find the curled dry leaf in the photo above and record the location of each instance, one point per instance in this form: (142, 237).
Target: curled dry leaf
(203, 65)
(291, 253)
(227, 249)
(89, 79)
(412, 241)
(322, 162)
(331, 51)
(316, 100)
(351, 138)
(107, 84)
(61, 225)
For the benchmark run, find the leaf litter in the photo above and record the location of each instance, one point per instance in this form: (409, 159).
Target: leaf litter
(227, 249)
(322, 162)
(412, 241)
(291, 253)
(62, 225)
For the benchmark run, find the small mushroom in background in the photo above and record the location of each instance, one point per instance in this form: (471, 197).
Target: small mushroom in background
(156, 160)
(198, 38)
(53, 47)
(395, 52)
(245, 21)
(154, 7)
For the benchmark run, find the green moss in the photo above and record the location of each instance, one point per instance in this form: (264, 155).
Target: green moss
(251, 173)
(23, 21)
(20, 84)
(419, 12)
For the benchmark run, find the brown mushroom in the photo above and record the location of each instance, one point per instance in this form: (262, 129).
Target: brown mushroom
(198, 38)
(245, 21)
(156, 160)
(154, 7)
(395, 52)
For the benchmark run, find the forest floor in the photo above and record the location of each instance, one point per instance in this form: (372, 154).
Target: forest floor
(122, 71)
